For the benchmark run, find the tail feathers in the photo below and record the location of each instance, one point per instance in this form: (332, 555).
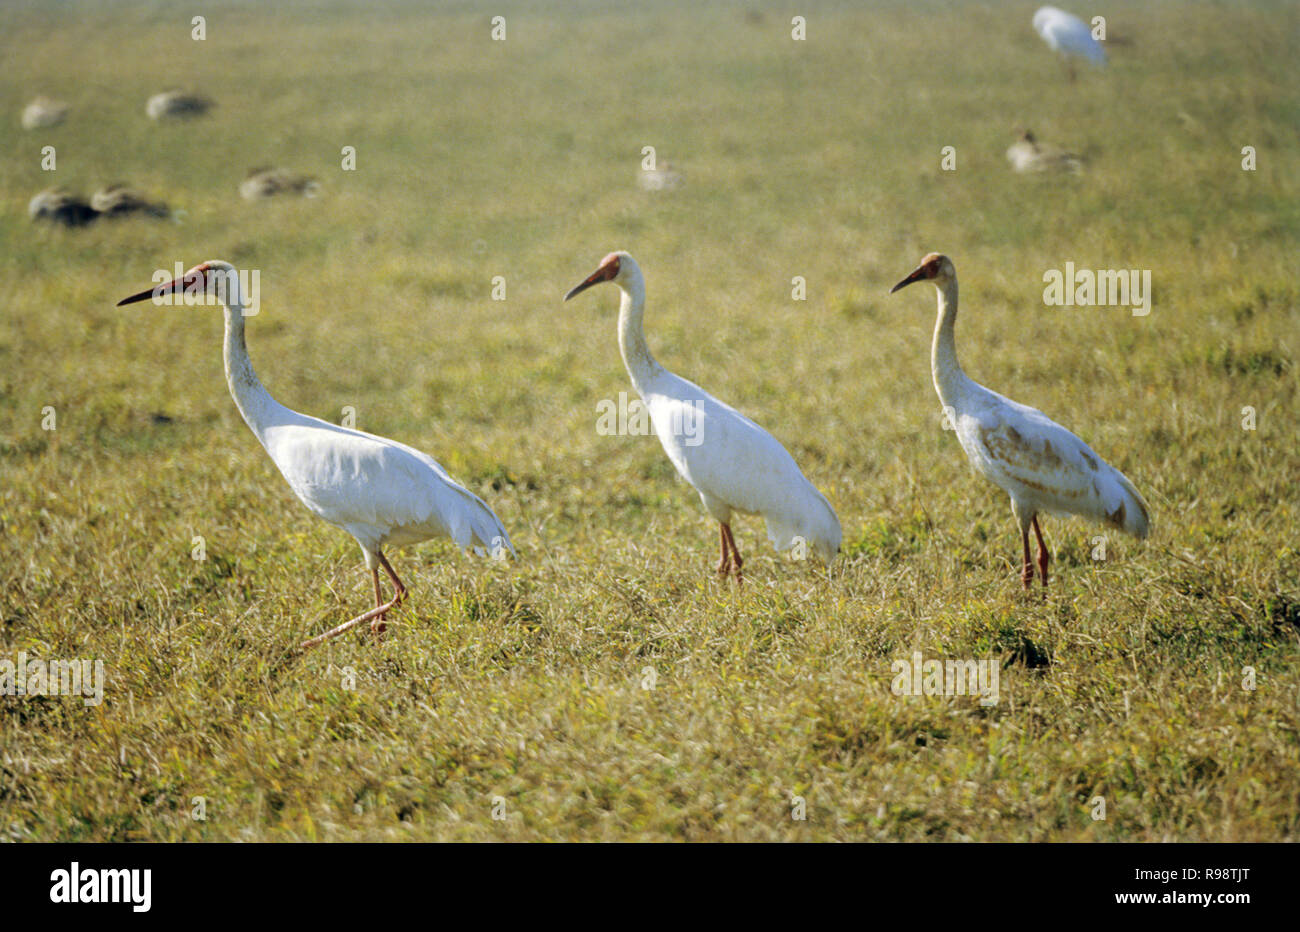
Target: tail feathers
(817, 532)
(1131, 515)
(481, 530)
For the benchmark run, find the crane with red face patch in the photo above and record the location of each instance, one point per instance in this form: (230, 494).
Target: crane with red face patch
(1040, 464)
(735, 465)
(378, 490)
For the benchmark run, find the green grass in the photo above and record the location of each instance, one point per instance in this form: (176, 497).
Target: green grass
(524, 681)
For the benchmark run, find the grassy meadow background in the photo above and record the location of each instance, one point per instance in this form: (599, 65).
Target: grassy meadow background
(524, 681)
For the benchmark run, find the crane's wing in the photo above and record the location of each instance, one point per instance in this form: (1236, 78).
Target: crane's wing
(380, 490)
(1046, 466)
(729, 458)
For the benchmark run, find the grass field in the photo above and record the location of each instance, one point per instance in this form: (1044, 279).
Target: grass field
(519, 690)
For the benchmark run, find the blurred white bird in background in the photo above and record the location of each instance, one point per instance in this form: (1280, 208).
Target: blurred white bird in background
(379, 491)
(662, 178)
(1068, 35)
(1038, 462)
(1027, 154)
(268, 182)
(43, 112)
(118, 200)
(58, 205)
(170, 104)
(734, 464)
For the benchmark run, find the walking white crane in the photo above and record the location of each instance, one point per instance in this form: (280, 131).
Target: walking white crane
(1040, 464)
(379, 491)
(734, 464)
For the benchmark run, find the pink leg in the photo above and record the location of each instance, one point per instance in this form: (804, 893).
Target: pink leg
(1042, 552)
(375, 615)
(348, 625)
(397, 583)
(1026, 566)
(724, 561)
(378, 626)
(737, 563)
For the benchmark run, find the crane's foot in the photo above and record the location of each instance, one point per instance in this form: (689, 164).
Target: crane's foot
(348, 625)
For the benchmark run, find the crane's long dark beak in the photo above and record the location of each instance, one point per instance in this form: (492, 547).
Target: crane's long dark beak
(193, 277)
(916, 276)
(596, 277)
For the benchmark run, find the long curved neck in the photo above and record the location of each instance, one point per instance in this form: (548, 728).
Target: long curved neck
(949, 379)
(251, 397)
(641, 365)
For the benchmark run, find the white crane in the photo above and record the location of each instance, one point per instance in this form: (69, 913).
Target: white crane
(379, 491)
(734, 464)
(1068, 35)
(1040, 464)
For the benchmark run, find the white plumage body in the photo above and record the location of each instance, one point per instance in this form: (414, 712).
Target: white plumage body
(732, 463)
(378, 490)
(1043, 466)
(738, 466)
